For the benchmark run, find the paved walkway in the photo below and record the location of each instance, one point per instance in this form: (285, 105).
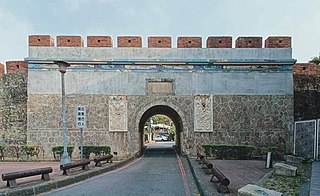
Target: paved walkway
(18, 166)
(34, 185)
(239, 172)
(315, 179)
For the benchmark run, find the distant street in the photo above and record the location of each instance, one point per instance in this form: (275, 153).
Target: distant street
(159, 172)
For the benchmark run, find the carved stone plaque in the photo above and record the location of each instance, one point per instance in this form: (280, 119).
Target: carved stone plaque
(160, 87)
(203, 113)
(118, 120)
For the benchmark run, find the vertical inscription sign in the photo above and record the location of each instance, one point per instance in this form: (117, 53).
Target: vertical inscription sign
(203, 113)
(118, 113)
(81, 117)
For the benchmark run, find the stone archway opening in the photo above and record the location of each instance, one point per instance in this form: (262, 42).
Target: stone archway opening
(164, 110)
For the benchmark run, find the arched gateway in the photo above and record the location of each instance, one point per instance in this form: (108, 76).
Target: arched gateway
(165, 110)
(218, 94)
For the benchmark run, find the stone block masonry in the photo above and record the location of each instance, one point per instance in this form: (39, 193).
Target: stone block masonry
(306, 91)
(285, 170)
(13, 108)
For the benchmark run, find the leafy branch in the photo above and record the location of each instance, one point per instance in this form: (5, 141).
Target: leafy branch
(315, 60)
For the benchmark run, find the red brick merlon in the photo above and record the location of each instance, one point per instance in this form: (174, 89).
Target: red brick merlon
(278, 42)
(159, 42)
(306, 69)
(249, 42)
(1, 68)
(189, 42)
(41, 40)
(69, 41)
(129, 41)
(99, 41)
(16, 67)
(219, 42)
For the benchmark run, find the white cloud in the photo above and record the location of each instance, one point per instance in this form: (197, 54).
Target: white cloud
(13, 37)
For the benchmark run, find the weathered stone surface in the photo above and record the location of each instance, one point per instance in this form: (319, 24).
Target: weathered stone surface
(203, 113)
(254, 190)
(294, 159)
(306, 96)
(262, 121)
(13, 108)
(258, 120)
(304, 138)
(118, 119)
(284, 169)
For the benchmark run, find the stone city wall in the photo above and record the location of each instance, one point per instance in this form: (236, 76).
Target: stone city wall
(263, 121)
(306, 91)
(13, 108)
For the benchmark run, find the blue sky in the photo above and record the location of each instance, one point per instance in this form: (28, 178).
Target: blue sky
(297, 18)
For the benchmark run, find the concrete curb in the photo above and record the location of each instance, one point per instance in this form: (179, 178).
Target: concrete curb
(196, 179)
(56, 184)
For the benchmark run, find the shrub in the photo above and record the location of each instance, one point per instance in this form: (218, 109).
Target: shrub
(96, 150)
(30, 150)
(2, 147)
(58, 150)
(16, 150)
(223, 151)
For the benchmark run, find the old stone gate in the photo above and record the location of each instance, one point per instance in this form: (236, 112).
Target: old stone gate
(217, 94)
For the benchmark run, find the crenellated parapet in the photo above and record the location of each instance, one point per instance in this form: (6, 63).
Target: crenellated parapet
(16, 67)
(306, 69)
(160, 41)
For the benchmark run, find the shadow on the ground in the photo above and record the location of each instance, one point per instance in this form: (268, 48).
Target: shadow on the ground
(160, 151)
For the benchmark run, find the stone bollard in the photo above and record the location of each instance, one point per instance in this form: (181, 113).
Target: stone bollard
(294, 159)
(254, 190)
(284, 169)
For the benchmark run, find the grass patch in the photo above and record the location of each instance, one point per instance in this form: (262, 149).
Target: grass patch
(289, 185)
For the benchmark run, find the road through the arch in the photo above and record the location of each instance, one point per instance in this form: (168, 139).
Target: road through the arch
(158, 172)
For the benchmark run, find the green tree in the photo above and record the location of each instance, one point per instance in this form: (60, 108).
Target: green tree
(161, 119)
(315, 60)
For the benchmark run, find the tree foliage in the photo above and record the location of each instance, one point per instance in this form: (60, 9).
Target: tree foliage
(315, 60)
(161, 119)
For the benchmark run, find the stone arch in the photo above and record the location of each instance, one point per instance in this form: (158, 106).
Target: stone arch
(169, 108)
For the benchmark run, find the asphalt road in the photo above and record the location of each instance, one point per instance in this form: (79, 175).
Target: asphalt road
(159, 172)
